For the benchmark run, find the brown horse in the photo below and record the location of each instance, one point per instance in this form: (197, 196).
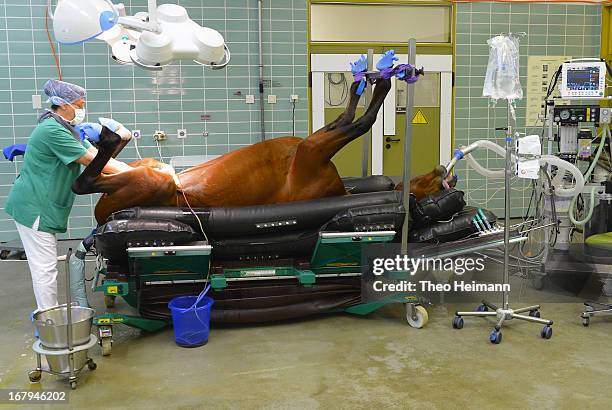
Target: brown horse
(273, 171)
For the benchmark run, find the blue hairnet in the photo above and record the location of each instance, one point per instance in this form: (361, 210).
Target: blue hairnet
(60, 92)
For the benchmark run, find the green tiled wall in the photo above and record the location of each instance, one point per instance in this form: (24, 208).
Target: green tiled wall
(551, 29)
(149, 101)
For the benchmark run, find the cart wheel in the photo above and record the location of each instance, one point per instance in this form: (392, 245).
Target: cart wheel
(91, 365)
(34, 376)
(109, 301)
(495, 337)
(4, 254)
(421, 318)
(546, 332)
(534, 313)
(457, 322)
(73, 385)
(585, 321)
(482, 308)
(106, 343)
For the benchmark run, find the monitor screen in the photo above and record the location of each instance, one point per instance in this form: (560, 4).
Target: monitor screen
(586, 79)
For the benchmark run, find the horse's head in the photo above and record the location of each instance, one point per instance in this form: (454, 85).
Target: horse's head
(436, 180)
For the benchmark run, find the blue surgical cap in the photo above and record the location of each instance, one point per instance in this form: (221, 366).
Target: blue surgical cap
(60, 92)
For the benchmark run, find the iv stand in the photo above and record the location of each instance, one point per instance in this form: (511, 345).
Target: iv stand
(505, 313)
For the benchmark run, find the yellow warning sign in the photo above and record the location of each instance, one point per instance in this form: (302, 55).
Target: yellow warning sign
(419, 118)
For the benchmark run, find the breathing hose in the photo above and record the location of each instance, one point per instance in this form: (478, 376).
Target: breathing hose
(563, 165)
(587, 175)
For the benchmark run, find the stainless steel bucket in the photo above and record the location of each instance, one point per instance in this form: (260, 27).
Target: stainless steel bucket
(61, 363)
(52, 326)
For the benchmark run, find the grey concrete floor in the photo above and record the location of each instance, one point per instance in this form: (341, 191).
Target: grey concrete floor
(332, 361)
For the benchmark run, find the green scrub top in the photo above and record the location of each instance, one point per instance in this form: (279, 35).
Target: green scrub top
(43, 187)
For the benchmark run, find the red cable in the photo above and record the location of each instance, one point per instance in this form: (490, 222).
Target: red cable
(59, 71)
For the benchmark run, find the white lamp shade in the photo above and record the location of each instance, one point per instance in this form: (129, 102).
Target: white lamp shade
(76, 21)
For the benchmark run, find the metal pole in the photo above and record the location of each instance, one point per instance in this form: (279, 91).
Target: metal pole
(408, 146)
(508, 176)
(262, 113)
(68, 300)
(367, 139)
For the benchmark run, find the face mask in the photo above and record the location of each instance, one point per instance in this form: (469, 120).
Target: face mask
(79, 115)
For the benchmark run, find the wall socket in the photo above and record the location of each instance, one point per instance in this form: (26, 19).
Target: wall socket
(271, 99)
(294, 97)
(181, 133)
(159, 135)
(136, 134)
(249, 99)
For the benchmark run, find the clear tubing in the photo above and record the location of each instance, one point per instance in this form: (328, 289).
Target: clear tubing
(563, 165)
(572, 209)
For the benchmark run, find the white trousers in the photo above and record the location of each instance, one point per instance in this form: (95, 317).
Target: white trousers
(41, 250)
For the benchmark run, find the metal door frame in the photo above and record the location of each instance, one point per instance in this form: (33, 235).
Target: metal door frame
(385, 122)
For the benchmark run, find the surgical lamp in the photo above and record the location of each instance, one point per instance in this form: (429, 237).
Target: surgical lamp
(150, 40)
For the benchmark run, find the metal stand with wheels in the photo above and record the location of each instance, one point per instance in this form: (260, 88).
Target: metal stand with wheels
(590, 310)
(71, 360)
(504, 313)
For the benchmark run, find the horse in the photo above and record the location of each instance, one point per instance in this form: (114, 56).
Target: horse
(273, 171)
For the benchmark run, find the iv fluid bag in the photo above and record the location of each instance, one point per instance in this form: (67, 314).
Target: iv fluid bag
(502, 77)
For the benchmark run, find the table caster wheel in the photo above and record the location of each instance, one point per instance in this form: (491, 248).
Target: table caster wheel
(109, 301)
(73, 385)
(91, 365)
(538, 282)
(534, 313)
(106, 343)
(457, 322)
(586, 321)
(34, 376)
(546, 332)
(482, 308)
(495, 337)
(4, 254)
(23, 256)
(420, 318)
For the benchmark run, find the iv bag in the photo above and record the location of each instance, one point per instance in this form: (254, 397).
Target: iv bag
(502, 77)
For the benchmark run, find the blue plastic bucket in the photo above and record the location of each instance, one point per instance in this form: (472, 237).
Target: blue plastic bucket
(191, 319)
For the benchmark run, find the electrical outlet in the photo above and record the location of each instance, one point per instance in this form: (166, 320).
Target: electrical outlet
(159, 135)
(294, 97)
(249, 99)
(136, 134)
(271, 99)
(181, 133)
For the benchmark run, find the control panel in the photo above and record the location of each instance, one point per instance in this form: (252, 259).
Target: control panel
(583, 80)
(575, 114)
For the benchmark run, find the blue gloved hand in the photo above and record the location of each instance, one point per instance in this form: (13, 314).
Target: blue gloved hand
(387, 60)
(14, 150)
(89, 130)
(359, 65)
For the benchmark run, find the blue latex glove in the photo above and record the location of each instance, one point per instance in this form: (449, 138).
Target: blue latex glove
(89, 130)
(14, 150)
(359, 65)
(109, 123)
(387, 60)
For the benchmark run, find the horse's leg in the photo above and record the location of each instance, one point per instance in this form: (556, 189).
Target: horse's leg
(327, 143)
(119, 147)
(348, 115)
(86, 183)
